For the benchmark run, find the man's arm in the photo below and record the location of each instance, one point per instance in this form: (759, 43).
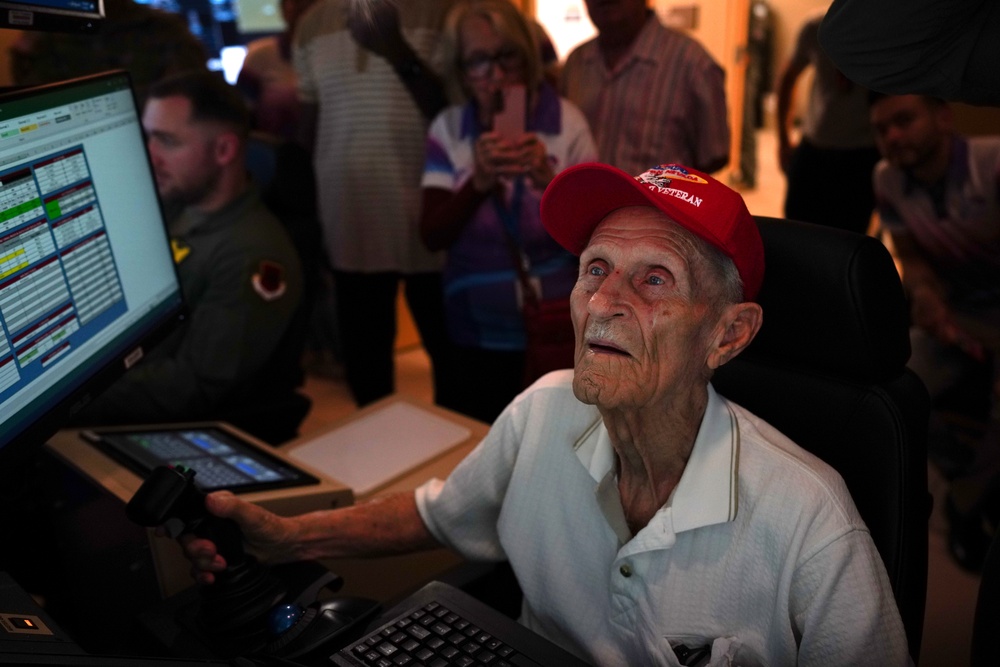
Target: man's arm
(929, 308)
(711, 122)
(384, 526)
(786, 86)
(806, 43)
(377, 29)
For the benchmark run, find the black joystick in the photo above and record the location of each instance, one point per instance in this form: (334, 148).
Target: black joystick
(249, 610)
(233, 610)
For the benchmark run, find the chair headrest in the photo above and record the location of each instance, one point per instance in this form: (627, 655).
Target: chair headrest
(833, 303)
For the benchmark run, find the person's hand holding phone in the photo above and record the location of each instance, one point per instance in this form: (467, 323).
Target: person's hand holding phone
(507, 150)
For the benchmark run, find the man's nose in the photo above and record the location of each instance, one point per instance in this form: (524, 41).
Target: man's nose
(154, 154)
(608, 299)
(892, 134)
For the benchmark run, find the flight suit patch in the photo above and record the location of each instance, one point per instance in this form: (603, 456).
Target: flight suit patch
(269, 281)
(180, 250)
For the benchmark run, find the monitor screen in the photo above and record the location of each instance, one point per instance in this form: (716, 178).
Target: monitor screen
(82, 16)
(87, 277)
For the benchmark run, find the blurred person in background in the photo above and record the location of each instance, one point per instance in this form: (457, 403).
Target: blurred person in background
(651, 94)
(836, 152)
(268, 78)
(939, 198)
(481, 195)
(369, 86)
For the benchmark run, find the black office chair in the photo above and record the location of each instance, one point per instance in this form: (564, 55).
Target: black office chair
(283, 173)
(828, 369)
(986, 621)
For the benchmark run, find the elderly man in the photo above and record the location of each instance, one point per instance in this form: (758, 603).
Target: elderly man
(639, 509)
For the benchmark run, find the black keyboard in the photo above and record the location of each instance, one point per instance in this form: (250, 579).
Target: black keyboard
(440, 626)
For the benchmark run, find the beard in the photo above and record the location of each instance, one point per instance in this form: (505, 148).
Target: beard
(191, 193)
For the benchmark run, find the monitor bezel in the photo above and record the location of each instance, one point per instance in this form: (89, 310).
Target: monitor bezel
(32, 16)
(74, 393)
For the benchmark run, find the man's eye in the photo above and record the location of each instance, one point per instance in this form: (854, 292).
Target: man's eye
(656, 280)
(595, 271)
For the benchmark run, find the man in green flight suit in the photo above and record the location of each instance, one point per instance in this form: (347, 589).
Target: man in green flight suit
(239, 271)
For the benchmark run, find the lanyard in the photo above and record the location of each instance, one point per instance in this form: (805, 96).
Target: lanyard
(510, 216)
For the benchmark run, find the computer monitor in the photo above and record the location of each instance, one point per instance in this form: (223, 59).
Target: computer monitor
(80, 16)
(87, 278)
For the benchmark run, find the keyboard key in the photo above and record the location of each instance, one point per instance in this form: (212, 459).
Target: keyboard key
(386, 649)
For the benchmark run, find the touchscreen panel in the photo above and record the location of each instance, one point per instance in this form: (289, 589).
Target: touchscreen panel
(220, 459)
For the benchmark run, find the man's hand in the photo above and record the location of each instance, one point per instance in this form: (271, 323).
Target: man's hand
(930, 312)
(534, 160)
(267, 536)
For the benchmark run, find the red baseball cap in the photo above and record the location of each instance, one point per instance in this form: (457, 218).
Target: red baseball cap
(580, 197)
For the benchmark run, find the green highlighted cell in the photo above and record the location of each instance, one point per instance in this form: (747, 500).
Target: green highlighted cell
(20, 209)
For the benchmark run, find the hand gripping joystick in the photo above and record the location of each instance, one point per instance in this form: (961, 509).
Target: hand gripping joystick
(234, 609)
(250, 610)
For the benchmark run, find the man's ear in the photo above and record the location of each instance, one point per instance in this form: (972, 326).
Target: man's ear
(740, 322)
(227, 148)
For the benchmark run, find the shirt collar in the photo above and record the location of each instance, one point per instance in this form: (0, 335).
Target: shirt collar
(644, 46)
(708, 490)
(545, 118)
(192, 221)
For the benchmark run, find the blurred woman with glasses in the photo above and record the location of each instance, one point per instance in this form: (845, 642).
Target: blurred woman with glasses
(485, 171)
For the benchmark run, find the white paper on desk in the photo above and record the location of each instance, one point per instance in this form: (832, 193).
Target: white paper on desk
(375, 449)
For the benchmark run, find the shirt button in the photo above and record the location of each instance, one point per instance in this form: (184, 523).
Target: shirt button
(626, 570)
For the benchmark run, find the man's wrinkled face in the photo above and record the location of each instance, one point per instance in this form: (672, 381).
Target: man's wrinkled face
(183, 153)
(641, 311)
(909, 130)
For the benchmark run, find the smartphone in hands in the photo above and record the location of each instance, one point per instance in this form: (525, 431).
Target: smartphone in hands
(508, 120)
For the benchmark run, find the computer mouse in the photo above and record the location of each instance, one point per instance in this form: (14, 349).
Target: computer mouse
(329, 625)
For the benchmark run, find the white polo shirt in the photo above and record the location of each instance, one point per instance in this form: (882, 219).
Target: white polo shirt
(760, 551)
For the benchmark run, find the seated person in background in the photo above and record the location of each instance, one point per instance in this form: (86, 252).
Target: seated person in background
(639, 509)
(939, 198)
(268, 78)
(238, 270)
(481, 194)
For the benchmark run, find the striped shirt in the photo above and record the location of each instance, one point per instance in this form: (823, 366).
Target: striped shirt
(369, 150)
(664, 102)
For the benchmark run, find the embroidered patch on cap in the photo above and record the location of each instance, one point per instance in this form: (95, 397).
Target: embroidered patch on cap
(269, 281)
(661, 177)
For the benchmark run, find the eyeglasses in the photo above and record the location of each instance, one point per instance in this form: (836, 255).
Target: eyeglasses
(480, 65)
